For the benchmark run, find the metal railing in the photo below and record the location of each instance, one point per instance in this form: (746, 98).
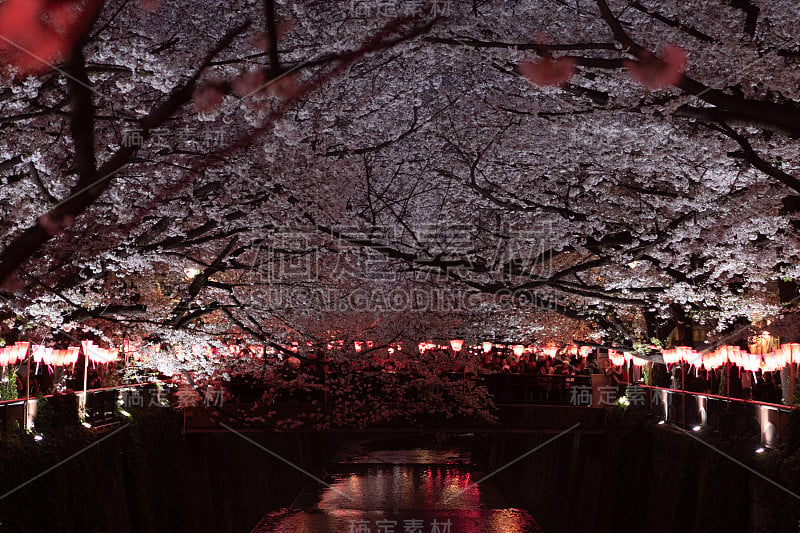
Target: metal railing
(698, 410)
(552, 389)
(101, 405)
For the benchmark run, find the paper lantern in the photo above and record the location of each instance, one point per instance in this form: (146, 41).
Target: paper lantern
(258, 351)
(795, 349)
(360, 346)
(7, 356)
(790, 352)
(10, 355)
(39, 352)
(487, 347)
(573, 350)
(751, 361)
(518, 350)
(670, 356)
(457, 344)
(101, 355)
(775, 360)
(680, 353)
(617, 358)
(20, 350)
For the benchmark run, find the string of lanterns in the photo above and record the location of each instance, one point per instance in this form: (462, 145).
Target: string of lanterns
(40, 354)
(769, 362)
(10, 355)
(775, 360)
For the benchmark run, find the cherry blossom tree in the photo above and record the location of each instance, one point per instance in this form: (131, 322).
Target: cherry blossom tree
(296, 164)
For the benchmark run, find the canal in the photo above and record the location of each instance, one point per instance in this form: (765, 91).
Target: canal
(400, 487)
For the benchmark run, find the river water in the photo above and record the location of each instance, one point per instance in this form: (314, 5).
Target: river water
(417, 490)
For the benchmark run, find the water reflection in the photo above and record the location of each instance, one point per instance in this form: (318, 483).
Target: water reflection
(397, 492)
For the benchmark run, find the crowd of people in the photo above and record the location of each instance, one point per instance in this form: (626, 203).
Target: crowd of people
(733, 381)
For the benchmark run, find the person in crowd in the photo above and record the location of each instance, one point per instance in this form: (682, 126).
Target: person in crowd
(545, 381)
(532, 367)
(591, 364)
(612, 372)
(677, 377)
(747, 385)
(563, 370)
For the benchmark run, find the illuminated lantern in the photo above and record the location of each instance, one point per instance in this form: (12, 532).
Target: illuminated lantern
(234, 349)
(572, 350)
(680, 353)
(258, 351)
(775, 360)
(791, 352)
(457, 344)
(717, 358)
(293, 362)
(751, 361)
(617, 359)
(47, 356)
(734, 355)
(39, 352)
(360, 346)
(95, 353)
(487, 347)
(6, 355)
(20, 350)
(518, 350)
(795, 352)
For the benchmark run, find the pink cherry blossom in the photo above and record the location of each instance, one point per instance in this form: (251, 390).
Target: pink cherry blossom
(149, 5)
(207, 98)
(249, 83)
(657, 72)
(37, 34)
(548, 71)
